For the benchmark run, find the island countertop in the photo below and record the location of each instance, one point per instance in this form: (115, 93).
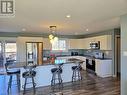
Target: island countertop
(57, 61)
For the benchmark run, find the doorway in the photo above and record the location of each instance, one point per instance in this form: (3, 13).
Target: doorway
(7, 52)
(118, 55)
(1, 56)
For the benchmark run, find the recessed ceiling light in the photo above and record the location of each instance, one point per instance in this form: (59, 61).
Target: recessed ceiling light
(23, 29)
(76, 33)
(87, 29)
(68, 16)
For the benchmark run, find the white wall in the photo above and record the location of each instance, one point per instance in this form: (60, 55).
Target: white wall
(21, 46)
(8, 39)
(124, 55)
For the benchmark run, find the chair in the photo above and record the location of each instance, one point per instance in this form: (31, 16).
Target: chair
(29, 74)
(76, 73)
(11, 72)
(56, 76)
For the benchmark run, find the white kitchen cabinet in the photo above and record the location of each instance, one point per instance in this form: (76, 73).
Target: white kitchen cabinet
(103, 68)
(105, 42)
(87, 43)
(76, 44)
(72, 44)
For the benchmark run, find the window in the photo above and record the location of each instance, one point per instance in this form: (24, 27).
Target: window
(0, 47)
(59, 45)
(10, 51)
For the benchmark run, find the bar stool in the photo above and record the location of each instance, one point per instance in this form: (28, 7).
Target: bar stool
(56, 76)
(11, 72)
(29, 74)
(76, 73)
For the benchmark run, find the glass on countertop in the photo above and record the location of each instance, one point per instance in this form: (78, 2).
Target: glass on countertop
(60, 61)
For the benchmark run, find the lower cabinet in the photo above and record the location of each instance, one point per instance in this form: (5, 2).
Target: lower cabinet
(103, 68)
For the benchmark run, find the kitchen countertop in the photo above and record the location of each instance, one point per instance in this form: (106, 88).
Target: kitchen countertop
(87, 57)
(104, 58)
(22, 64)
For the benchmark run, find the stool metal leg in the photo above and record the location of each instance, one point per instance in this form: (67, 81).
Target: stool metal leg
(18, 80)
(76, 75)
(60, 81)
(33, 84)
(73, 75)
(25, 85)
(10, 82)
(52, 81)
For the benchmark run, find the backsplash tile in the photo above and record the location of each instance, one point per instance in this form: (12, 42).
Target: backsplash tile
(107, 53)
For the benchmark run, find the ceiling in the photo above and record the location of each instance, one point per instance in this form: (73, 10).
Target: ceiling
(38, 15)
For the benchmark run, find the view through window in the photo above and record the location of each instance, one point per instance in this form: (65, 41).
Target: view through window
(1, 56)
(10, 51)
(59, 45)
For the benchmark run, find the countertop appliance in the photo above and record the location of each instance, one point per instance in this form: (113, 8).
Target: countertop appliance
(74, 53)
(100, 55)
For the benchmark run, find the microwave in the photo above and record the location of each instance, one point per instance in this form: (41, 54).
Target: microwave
(95, 45)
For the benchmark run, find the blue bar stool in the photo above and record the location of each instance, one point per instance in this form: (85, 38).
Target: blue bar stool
(76, 73)
(11, 72)
(29, 74)
(56, 76)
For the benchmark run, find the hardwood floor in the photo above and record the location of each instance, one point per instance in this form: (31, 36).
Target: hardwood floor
(90, 85)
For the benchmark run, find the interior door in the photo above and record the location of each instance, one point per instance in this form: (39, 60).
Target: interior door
(118, 55)
(1, 55)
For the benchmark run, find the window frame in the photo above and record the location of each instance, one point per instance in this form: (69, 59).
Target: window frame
(66, 48)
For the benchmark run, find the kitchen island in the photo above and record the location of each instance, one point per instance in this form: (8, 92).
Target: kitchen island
(43, 74)
(103, 68)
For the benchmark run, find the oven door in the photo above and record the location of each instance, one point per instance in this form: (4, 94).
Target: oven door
(90, 64)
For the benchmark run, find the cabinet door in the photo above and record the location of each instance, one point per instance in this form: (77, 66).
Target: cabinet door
(72, 44)
(97, 66)
(81, 44)
(87, 43)
(105, 42)
(76, 43)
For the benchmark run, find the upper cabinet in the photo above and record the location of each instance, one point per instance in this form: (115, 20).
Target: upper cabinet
(105, 42)
(76, 44)
(87, 42)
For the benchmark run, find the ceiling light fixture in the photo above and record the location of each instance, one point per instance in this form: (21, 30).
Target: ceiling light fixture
(23, 29)
(68, 16)
(52, 36)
